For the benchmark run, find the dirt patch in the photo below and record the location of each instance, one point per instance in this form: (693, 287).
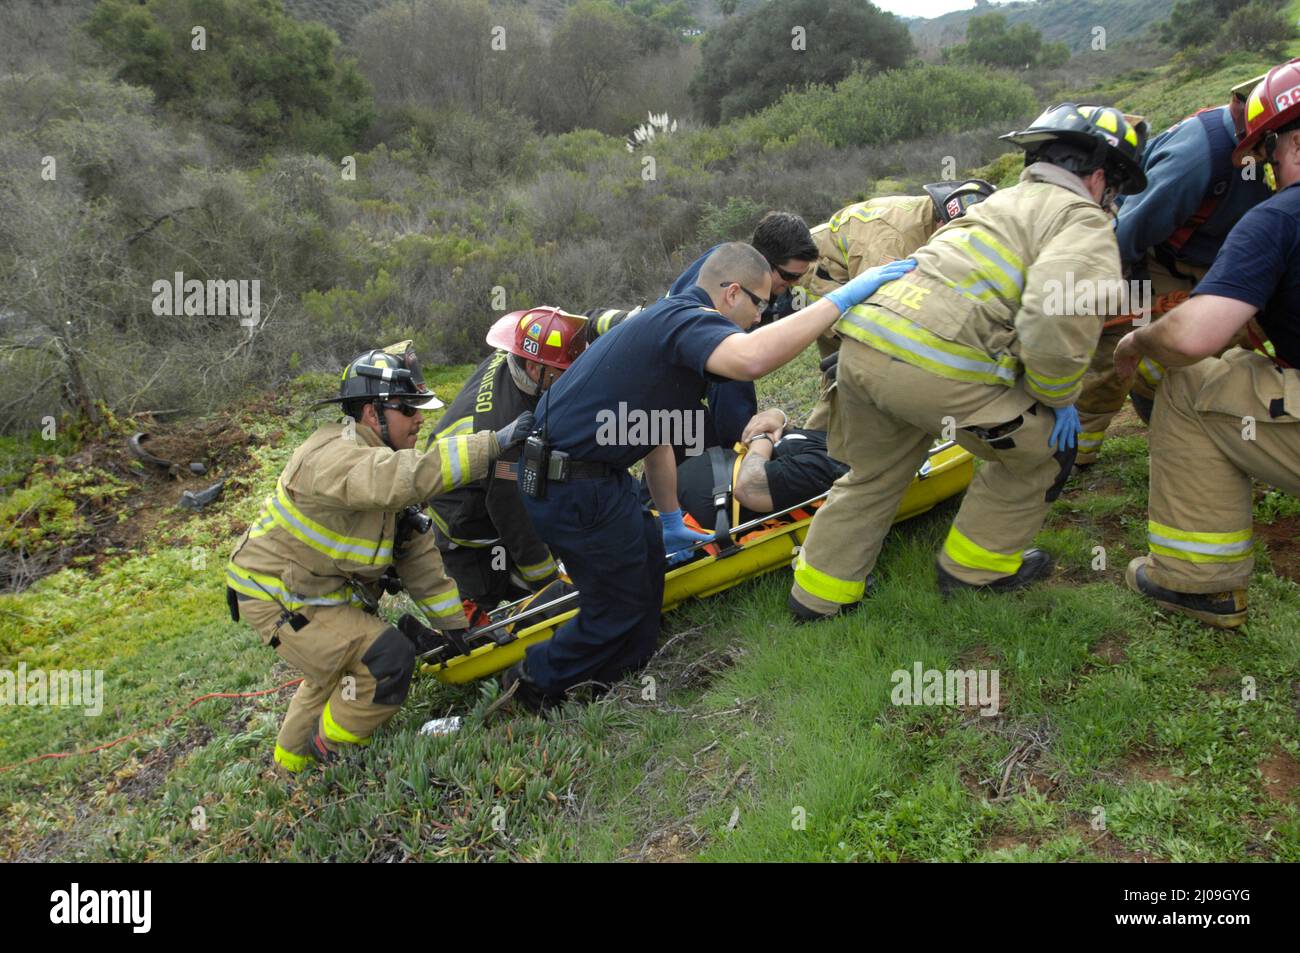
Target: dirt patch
(1105, 844)
(673, 846)
(1220, 681)
(1012, 841)
(1280, 775)
(1140, 767)
(220, 443)
(1111, 649)
(139, 780)
(1283, 541)
(979, 658)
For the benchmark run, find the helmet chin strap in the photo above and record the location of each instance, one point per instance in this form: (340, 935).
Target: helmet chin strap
(520, 376)
(382, 413)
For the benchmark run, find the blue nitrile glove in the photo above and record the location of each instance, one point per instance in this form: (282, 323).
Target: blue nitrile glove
(1065, 432)
(866, 284)
(678, 537)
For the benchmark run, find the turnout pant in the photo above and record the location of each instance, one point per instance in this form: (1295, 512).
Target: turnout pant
(356, 672)
(885, 414)
(1103, 389)
(1217, 424)
(483, 574)
(613, 551)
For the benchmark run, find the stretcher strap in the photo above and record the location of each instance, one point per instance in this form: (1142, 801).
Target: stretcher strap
(722, 491)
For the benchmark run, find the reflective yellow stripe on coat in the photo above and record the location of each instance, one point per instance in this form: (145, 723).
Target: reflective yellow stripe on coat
(900, 338)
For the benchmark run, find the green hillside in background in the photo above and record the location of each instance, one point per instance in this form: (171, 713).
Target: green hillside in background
(1060, 21)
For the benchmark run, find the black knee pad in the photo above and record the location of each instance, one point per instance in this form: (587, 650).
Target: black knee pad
(391, 660)
(1065, 460)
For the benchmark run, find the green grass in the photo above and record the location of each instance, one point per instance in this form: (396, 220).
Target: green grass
(762, 740)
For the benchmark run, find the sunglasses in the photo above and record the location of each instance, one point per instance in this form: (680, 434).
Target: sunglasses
(759, 303)
(789, 276)
(406, 409)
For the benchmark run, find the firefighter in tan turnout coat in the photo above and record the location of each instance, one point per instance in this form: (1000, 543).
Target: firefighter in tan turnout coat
(971, 345)
(340, 528)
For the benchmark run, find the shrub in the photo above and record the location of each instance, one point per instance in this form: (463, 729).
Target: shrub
(273, 79)
(873, 108)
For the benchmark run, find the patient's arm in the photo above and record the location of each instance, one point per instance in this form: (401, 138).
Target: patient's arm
(751, 487)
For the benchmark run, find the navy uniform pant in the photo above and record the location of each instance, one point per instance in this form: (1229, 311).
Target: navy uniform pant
(613, 550)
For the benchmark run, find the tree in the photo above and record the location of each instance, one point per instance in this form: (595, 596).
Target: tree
(589, 57)
(1197, 23)
(1259, 28)
(990, 40)
(435, 54)
(751, 60)
(272, 79)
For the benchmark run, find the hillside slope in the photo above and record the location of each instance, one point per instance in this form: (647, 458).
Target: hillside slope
(1067, 21)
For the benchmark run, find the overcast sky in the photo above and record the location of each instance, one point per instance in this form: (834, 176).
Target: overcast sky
(923, 8)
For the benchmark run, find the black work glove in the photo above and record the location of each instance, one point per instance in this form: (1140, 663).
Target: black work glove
(422, 637)
(830, 366)
(426, 639)
(515, 432)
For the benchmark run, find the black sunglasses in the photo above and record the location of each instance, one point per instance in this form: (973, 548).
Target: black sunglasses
(406, 409)
(789, 276)
(759, 303)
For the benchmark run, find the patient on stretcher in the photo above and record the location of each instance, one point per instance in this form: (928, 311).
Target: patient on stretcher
(773, 475)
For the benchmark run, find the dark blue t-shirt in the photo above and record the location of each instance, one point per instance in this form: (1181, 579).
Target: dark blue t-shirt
(608, 407)
(1260, 265)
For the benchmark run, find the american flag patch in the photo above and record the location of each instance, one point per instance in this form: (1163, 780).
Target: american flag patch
(505, 470)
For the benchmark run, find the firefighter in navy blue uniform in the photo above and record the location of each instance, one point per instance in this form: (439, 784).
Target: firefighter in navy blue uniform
(487, 541)
(1169, 234)
(786, 243)
(656, 366)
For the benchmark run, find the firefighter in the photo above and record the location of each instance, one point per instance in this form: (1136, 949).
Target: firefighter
(1219, 422)
(596, 422)
(486, 539)
(340, 528)
(875, 232)
(1169, 235)
(973, 345)
(787, 246)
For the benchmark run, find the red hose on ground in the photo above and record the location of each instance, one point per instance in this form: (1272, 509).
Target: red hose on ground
(160, 724)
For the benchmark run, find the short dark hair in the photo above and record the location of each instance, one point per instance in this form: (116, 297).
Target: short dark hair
(781, 236)
(734, 261)
(1072, 157)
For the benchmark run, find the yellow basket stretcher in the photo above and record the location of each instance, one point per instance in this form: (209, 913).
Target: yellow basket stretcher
(495, 647)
